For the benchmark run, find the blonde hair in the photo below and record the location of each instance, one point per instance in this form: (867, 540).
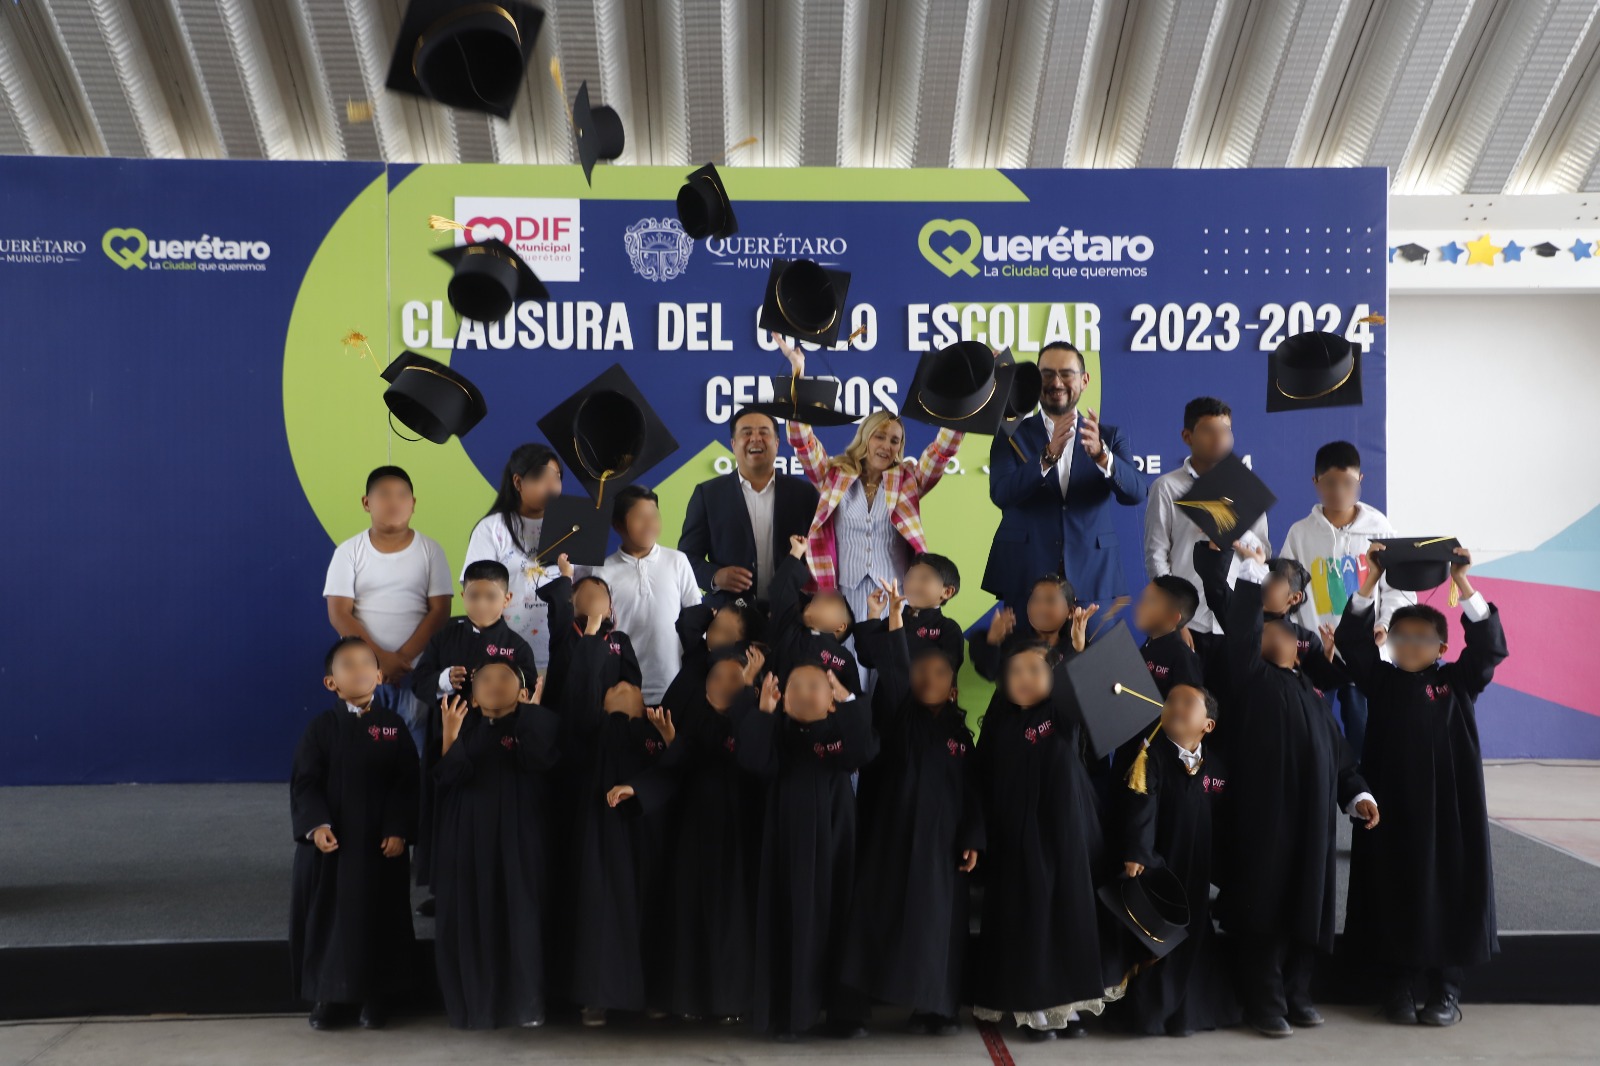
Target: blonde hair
(854, 458)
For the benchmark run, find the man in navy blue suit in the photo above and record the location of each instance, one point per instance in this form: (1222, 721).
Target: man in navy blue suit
(737, 526)
(1055, 498)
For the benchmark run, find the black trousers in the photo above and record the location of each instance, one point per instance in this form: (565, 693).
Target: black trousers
(1441, 981)
(1274, 974)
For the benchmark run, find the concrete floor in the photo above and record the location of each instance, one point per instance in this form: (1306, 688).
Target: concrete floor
(1556, 802)
(1505, 1033)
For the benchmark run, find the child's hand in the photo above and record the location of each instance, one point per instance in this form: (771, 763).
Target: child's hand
(796, 357)
(1080, 625)
(1379, 635)
(591, 624)
(458, 676)
(1458, 572)
(797, 547)
(661, 718)
(564, 565)
(618, 794)
(754, 661)
(1001, 626)
(1375, 558)
(897, 599)
(1369, 810)
(969, 861)
(324, 839)
(454, 712)
(538, 689)
(392, 847)
(878, 601)
(1133, 869)
(1326, 632)
(1250, 551)
(840, 693)
(769, 695)
(391, 666)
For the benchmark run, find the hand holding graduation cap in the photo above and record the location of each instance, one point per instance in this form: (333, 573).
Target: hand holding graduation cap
(564, 565)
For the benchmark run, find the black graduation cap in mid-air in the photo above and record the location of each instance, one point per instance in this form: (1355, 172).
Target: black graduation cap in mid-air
(1544, 249)
(464, 53)
(810, 401)
(597, 130)
(804, 301)
(1417, 564)
(430, 399)
(489, 278)
(1413, 253)
(1115, 692)
(1315, 369)
(576, 527)
(606, 433)
(1226, 500)
(704, 209)
(962, 386)
(1027, 385)
(1153, 907)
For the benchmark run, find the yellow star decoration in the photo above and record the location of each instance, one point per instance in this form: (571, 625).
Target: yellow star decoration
(1481, 251)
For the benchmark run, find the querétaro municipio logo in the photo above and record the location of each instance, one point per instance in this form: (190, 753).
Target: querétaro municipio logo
(658, 248)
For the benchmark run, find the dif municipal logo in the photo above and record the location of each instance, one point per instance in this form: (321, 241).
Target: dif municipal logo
(955, 246)
(546, 232)
(131, 249)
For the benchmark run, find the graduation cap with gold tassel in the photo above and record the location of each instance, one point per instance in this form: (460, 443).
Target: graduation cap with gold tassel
(428, 397)
(1111, 681)
(1136, 779)
(1226, 500)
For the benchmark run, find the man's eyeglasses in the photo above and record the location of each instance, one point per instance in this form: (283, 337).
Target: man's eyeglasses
(1069, 374)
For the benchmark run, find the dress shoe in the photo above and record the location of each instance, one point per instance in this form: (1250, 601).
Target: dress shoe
(919, 1024)
(1179, 1031)
(374, 1015)
(1305, 1017)
(324, 1016)
(1400, 1008)
(940, 1025)
(1039, 1036)
(846, 1030)
(1074, 1031)
(1274, 1027)
(1442, 1011)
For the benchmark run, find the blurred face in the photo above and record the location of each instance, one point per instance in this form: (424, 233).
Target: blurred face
(1276, 596)
(537, 487)
(1048, 609)
(726, 629)
(1278, 645)
(496, 687)
(486, 601)
(808, 697)
(885, 446)
(755, 446)
(623, 698)
(1064, 381)
(1415, 645)
(590, 599)
(1338, 489)
(1184, 717)
(1154, 613)
(1211, 439)
(933, 681)
(390, 503)
(924, 589)
(354, 674)
(1029, 678)
(641, 526)
(723, 684)
(827, 613)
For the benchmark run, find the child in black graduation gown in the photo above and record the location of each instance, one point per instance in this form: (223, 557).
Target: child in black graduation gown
(1421, 896)
(809, 629)
(447, 664)
(708, 947)
(921, 830)
(1164, 815)
(704, 630)
(1164, 609)
(1051, 604)
(1292, 774)
(490, 852)
(806, 754)
(353, 801)
(931, 580)
(572, 603)
(1039, 960)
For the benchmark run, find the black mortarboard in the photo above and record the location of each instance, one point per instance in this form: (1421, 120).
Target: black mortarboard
(430, 399)
(704, 209)
(1413, 253)
(1026, 388)
(489, 278)
(1417, 564)
(575, 527)
(1544, 249)
(1315, 369)
(807, 400)
(804, 301)
(1153, 906)
(963, 386)
(598, 130)
(1114, 689)
(1226, 500)
(606, 433)
(463, 53)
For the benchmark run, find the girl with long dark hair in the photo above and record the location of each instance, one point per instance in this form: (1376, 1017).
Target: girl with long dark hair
(509, 534)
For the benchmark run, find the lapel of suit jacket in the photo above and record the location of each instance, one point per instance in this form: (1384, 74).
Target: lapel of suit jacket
(735, 504)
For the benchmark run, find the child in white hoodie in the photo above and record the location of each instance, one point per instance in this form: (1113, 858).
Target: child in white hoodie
(1332, 542)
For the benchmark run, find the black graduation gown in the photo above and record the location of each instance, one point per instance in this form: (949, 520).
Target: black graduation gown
(565, 637)
(792, 642)
(989, 659)
(1212, 568)
(1293, 774)
(1039, 944)
(350, 936)
(490, 863)
(919, 808)
(1422, 882)
(706, 954)
(807, 857)
(459, 643)
(1170, 826)
(1172, 662)
(925, 628)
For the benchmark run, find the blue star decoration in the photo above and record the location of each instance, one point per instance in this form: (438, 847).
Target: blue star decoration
(1451, 252)
(1512, 252)
(1580, 250)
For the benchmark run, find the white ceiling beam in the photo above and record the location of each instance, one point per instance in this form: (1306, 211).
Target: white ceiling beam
(94, 36)
(27, 101)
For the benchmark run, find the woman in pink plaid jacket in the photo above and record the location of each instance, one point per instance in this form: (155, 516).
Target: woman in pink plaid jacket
(868, 525)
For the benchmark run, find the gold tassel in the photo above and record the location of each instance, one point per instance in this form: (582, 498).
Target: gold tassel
(1221, 511)
(358, 110)
(355, 339)
(439, 222)
(1136, 773)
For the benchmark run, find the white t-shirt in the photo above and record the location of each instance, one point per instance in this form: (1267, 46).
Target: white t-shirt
(646, 597)
(527, 614)
(390, 589)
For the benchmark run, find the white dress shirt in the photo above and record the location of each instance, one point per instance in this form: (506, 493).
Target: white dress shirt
(1191, 759)
(761, 504)
(647, 594)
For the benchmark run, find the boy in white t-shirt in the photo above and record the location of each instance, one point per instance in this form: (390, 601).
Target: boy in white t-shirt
(390, 586)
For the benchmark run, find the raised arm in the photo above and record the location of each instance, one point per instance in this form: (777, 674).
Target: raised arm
(809, 450)
(1480, 620)
(1244, 635)
(1353, 637)
(936, 457)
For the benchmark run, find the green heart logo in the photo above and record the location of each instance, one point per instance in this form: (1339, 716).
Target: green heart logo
(949, 259)
(131, 253)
